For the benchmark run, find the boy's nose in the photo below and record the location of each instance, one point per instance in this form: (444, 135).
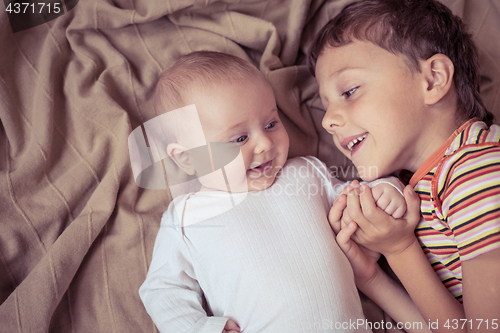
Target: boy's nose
(332, 119)
(264, 144)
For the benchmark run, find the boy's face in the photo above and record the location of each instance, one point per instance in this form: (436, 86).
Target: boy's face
(245, 113)
(374, 107)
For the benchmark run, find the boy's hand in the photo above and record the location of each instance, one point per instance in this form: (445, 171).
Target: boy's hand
(362, 260)
(389, 199)
(377, 230)
(231, 327)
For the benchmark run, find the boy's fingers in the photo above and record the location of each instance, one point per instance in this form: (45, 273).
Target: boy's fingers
(335, 213)
(344, 236)
(344, 239)
(355, 211)
(368, 205)
(413, 205)
(336, 227)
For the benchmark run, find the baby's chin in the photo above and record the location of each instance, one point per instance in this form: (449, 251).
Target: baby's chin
(252, 187)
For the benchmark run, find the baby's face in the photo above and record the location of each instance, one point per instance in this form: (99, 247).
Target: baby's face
(245, 113)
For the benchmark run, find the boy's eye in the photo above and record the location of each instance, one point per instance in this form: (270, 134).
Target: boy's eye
(271, 125)
(240, 139)
(349, 92)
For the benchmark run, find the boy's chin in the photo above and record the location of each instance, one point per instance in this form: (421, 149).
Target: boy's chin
(367, 176)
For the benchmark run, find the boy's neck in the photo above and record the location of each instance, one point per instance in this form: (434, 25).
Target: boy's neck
(441, 127)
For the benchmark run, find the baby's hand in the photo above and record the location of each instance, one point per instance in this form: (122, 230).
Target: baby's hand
(231, 327)
(389, 199)
(376, 229)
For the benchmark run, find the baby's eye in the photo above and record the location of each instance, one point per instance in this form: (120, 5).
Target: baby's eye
(240, 139)
(349, 92)
(271, 125)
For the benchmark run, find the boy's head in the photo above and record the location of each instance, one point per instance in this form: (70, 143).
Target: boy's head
(235, 104)
(417, 30)
(396, 78)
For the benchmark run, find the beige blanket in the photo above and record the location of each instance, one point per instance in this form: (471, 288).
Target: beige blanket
(76, 232)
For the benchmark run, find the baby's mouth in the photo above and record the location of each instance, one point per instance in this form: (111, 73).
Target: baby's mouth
(356, 142)
(263, 167)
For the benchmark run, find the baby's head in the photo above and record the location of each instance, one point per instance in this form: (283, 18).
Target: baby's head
(392, 74)
(235, 104)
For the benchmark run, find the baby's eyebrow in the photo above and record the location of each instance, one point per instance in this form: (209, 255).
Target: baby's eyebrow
(275, 109)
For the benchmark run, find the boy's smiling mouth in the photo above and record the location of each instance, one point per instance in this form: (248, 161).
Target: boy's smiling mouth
(351, 142)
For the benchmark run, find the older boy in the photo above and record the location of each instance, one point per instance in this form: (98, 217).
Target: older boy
(403, 75)
(269, 263)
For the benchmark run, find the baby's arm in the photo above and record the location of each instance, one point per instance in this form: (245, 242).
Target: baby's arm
(171, 294)
(388, 195)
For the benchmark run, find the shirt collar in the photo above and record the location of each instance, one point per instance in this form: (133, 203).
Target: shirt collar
(433, 160)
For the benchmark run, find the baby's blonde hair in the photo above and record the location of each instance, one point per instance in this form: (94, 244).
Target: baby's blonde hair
(197, 70)
(188, 75)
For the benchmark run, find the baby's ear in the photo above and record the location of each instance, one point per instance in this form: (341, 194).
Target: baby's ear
(181, 157)
(438, 71)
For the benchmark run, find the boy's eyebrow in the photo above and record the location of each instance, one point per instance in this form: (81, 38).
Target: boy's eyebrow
(337, 74)
(342, 70)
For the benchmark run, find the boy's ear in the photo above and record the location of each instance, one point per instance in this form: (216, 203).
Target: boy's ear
(438, 71)
(181, 157)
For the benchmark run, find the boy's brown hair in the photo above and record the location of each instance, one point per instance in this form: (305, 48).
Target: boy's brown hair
(417, 29)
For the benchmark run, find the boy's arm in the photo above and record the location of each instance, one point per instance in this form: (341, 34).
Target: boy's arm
(471, 206)
(395, 239)
(481, 292)
(370, 278)
(171, 294)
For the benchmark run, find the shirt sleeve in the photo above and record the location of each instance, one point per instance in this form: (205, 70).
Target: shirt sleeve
(170, 293)
(335, 186)
(470, 201)
(331, 184)
(393, 181)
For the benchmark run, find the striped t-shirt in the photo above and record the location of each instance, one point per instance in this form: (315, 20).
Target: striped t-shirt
(459, 189)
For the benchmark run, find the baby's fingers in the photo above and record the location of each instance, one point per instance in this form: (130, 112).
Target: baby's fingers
(399, 212)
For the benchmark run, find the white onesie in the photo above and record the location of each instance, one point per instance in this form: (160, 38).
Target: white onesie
(270, 263)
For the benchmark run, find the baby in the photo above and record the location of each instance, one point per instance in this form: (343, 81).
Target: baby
(254, 240)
